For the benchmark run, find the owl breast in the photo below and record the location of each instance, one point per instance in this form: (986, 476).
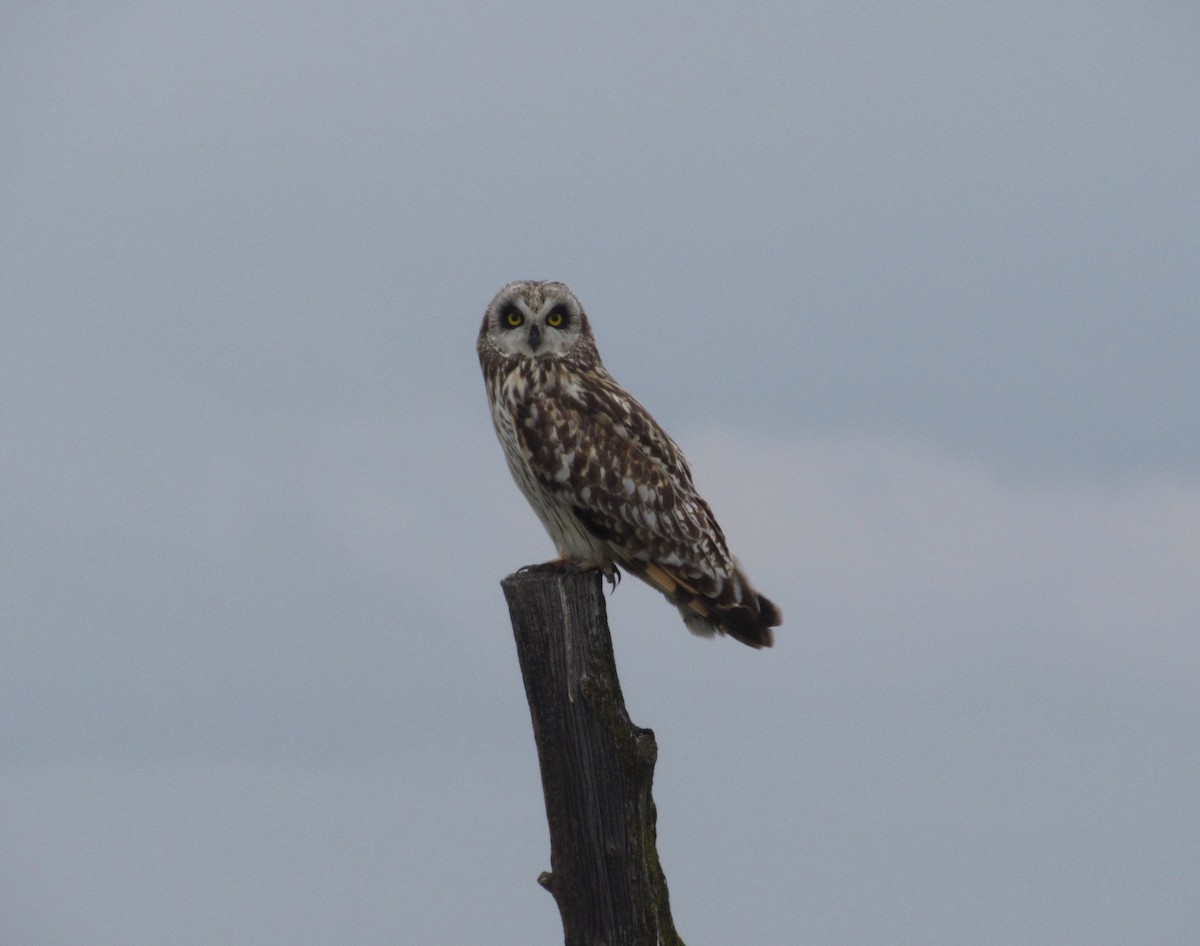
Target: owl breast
(523, 385)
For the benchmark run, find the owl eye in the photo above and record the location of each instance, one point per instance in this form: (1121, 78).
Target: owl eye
(557, 317)
(513, 318)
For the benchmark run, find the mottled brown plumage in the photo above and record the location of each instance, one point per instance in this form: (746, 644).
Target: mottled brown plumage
(610, 486)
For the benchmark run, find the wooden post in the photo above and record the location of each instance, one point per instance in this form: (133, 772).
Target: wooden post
(596, 765)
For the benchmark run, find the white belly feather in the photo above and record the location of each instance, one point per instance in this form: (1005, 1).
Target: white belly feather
(571, 538)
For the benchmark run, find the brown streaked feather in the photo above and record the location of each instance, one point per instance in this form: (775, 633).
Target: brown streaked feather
(662, 520)
(749, 624)
(664, 533)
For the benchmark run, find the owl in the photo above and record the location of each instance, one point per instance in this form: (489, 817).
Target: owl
(611, 488)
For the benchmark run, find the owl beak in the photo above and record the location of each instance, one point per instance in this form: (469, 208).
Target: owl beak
(535, 336)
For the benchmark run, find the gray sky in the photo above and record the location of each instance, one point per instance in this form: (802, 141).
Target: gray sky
(915, 287)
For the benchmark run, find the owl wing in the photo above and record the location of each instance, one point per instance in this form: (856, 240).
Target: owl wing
(598, 450)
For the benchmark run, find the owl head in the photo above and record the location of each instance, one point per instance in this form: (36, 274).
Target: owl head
(533, 319)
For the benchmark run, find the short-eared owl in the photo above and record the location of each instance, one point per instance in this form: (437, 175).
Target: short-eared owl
(606, 481)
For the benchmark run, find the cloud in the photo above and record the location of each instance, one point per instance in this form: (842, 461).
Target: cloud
(1013, 659)
(991, 679)
(868, 530)
(254, 514)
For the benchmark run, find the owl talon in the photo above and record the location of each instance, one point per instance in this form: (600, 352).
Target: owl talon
(565, 566)
(556, 567)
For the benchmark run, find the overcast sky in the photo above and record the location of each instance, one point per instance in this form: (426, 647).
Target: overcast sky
(915, 286)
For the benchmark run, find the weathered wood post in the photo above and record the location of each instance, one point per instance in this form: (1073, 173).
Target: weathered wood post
(597, 766)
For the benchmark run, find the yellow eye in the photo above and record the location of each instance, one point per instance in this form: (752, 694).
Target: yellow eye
(555, 318)
(514, 318)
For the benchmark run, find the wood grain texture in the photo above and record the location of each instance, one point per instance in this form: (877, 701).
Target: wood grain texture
(597, 767)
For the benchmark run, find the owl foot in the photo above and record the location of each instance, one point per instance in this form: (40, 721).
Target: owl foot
(566, 566)
(558, 566)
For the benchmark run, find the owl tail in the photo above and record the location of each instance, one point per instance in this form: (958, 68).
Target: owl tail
(735, 609)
